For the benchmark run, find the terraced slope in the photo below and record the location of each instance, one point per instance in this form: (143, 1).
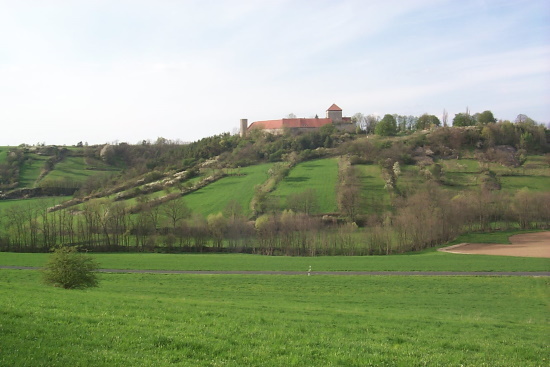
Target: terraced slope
(464, 174)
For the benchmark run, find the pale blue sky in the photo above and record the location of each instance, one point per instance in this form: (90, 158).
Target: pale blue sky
(114, 70)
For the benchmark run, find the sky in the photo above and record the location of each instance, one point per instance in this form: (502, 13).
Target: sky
(131, 70)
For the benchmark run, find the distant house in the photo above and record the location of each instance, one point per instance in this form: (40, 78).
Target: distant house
(333, 116)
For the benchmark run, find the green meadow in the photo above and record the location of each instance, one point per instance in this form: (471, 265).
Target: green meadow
(373, 192)
(280, 320)
(320, 175)
(243, 320)
(429, 261)
(31, 170)
(410, 178)
(71, 168)
(460, 165)
(463, 174)
(214, 198)
(32, 202)
(534, 183)
(3, 154)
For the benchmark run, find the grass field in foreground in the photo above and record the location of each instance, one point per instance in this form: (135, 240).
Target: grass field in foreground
(223, 320)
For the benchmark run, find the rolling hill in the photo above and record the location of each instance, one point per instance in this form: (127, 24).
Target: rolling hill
(125, 195)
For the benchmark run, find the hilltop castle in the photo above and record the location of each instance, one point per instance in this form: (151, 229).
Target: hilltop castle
(333, 116)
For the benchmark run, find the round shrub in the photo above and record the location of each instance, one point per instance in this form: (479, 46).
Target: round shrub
(69, 269)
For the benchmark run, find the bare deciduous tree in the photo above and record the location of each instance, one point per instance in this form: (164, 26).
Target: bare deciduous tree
(175, 211)
(304, 202)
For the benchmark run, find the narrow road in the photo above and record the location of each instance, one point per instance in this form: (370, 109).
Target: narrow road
(401, 273)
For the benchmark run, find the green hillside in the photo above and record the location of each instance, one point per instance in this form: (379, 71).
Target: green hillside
(465, 174)
(214, 198)
(319, 175)
(51, 166)
(72, 169)
(349, 194)
(31, 170)
(25, 204)
(3, 154)
(535, 183)
(373, 192)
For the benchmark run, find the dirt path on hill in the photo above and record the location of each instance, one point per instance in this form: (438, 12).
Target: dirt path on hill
(523, 245)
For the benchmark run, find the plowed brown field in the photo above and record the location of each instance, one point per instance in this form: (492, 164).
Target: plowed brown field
(525, 245)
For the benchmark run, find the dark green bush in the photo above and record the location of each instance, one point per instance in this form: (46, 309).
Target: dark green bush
(69, 269)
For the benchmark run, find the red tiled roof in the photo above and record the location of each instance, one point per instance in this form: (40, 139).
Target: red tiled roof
(334, 107)
(291, 123)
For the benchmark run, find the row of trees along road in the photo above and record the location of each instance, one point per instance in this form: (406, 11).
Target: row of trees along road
(426, 218)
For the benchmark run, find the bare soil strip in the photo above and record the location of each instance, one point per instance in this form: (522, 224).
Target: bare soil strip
(522, 245)
(243, 272)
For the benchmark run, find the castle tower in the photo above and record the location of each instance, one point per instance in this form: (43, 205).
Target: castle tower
(244, 127)
(335, 113)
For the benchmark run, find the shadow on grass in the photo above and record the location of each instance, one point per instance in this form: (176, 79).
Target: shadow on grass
(297, 179)
(311, 165)
(227, 183)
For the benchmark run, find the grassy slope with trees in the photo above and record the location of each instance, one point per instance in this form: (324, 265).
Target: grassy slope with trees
(405, 193)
